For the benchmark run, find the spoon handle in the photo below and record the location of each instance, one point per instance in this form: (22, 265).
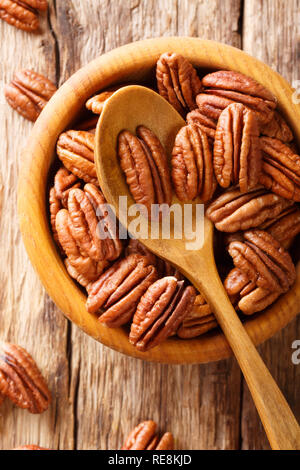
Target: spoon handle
(277, 418)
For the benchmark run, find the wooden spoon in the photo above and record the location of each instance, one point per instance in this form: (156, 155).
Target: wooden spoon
(126, 109)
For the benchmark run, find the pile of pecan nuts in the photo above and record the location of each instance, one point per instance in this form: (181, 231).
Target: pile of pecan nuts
(236, 153)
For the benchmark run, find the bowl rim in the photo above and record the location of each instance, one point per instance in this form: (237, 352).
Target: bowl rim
(39, 154)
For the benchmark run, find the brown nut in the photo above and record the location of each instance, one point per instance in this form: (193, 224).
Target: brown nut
(285, 226)
(21, 380)
(85, 269)
(54, 206)
(280, 169)
(237, 155)
(160, 312)
(22, 14)
(96, 102)
(264, 261)
(192, 166)
(234, 211)
(145, 165)
(198, 321)
(64, 181)
(28, 93)
(278, 129)
(76, 150)
(206, 124)
(119, 289)
(244, 294)
(177, 81)
(144, 437)
(239, 88)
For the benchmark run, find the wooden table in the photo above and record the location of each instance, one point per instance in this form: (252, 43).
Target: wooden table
(98, 394)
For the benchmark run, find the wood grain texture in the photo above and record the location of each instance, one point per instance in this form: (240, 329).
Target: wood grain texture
(99, 395)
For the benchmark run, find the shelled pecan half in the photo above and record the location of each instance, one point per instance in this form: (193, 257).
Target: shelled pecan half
(206, 124)
(233, 210)
(96, 102)
(160, 312)
(239, 88)
(64, 181)
(144, 162)
(278, 129)
(280, 168)
(21, 380)
(28, 93)
(76, 150)
(245, 295)
(55, 206)
(80, 266)
(144, 437)
(119, 289)
(265, 262)
(200, 320)
(192, 165)
(22, 14)
(284, 227)
(177, 81)
(237, 155)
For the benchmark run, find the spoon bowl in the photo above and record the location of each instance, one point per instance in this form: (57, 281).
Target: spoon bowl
(127, 109)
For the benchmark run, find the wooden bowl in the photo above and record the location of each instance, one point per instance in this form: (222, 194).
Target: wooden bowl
(133, 63)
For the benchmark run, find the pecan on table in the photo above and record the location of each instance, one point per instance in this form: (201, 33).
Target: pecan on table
(277, 128)
(206, 124)
(285, 226)
(144, 437)
(23, 14)
(144, 162)
(30, 447)
(237, 155)
(234, 210)
(21, 380)
(160, 312)
(239, 88)
(28, 93)
(80, 266)
(280, 168)
(265, 262)
(177, 81)
(245, 295)
(76, 150)
(200, 320)
(192, 165)
(119, 289)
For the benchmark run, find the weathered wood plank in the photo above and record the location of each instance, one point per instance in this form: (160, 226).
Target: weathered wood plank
(27, 316)
(271, 33)
(112, 393)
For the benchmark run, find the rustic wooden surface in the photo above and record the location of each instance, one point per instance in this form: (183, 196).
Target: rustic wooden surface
(98, 394)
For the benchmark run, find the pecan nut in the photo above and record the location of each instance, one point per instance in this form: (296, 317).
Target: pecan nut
(84, 268)
(239, 88)
(144, 437)
(234, 211)
(284, 227)
(244, 294)
(22, 14)
(178, 82)
(206, 124)
(21, 380)
(280, 169)
(278, 129)
(237, 155)
(160, 312)
(97, 102)
(265, 262)
(200, 320)
(76, 150)
(144, 162)
(119, 289)
(192, 165)
(28, 93)
(64, 181)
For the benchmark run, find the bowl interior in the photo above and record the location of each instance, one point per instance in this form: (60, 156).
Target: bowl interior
(134, 63)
